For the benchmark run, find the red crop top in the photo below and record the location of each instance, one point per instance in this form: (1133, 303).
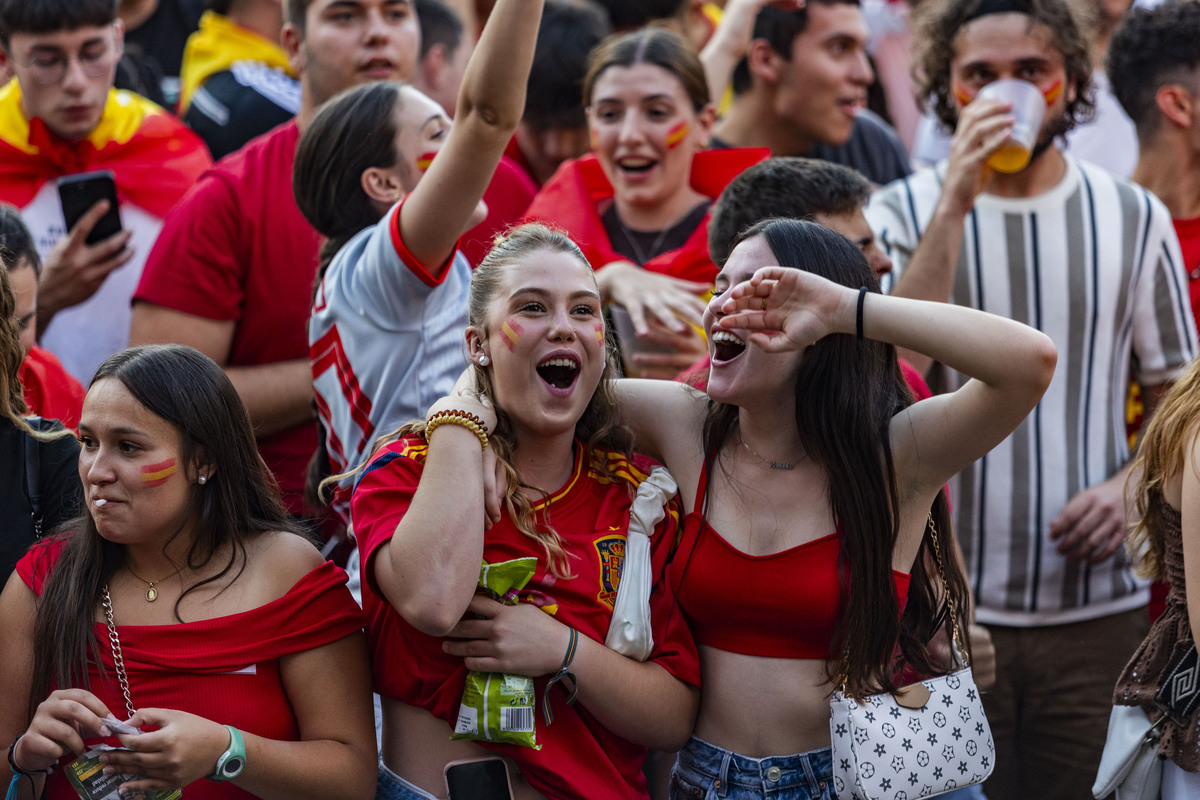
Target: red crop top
(781, 605)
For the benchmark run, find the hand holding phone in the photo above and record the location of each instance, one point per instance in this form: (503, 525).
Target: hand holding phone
(80, 193)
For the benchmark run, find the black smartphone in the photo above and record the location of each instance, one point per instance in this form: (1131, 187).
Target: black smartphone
(80, 192)
(478, 779)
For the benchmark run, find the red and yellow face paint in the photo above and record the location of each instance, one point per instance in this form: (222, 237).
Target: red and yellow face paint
(155, 475)
(424, 160)
(511, 332)
(677, 134)
(598, 330)
(1053, 93)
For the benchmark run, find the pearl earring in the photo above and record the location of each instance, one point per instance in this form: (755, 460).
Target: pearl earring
(483, 361)
(202, 480)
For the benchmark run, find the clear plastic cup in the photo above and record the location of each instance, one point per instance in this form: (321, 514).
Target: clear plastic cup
(1028, 107)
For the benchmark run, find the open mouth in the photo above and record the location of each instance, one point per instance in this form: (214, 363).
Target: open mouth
(558, 372)
(726, 346)
(637, 165)
(377, 65)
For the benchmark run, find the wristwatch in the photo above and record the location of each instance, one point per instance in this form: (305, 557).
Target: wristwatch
(232, 761)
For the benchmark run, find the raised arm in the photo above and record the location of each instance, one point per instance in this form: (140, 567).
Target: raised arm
(490, 103)
(731, 38)
(1010, 364)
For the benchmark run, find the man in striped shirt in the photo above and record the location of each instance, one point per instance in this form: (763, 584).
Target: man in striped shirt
(1093, 262)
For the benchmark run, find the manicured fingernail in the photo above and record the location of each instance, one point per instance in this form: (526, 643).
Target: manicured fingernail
(109, 770)
(104, 731)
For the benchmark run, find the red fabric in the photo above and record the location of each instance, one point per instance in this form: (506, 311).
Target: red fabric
(224, 669)
(50, 391)
(579, 757)
(516, 155)
(152, 155)
(781, 605)
(507, 197)
(572, 198)
(237, 248)
(1188, 231)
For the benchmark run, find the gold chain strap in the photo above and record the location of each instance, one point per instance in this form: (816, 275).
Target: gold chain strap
(952, 611)
(118, 659)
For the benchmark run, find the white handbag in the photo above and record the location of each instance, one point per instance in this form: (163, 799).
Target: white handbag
(927, 738)
(1130, 765)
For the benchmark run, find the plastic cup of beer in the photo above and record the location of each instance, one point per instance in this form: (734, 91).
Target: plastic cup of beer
(1028, 107)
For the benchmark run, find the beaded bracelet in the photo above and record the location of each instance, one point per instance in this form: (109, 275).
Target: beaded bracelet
(461, 418)
(563, 672)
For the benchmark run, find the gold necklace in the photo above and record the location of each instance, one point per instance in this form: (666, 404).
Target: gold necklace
(151, 592)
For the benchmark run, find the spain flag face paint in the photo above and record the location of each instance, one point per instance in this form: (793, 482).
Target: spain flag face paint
(511, 332)
(1053, 93)
(677, 134)
(961, 94)
(155, 475)
(599, 332)
(424, 160)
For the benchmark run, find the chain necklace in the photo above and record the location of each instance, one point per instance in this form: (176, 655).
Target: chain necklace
(151, 592)
(767, 461)
(633, 242)
(115, 641)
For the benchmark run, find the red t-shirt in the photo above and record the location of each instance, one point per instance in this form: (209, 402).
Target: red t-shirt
(237, 248)
(224, 669)
(1188, 231)
(50, 391)
(579, 757)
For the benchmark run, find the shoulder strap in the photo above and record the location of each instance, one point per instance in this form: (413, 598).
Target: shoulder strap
(33, 481)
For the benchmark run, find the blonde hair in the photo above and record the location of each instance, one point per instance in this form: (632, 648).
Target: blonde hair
(597, 428)
(1160, 458)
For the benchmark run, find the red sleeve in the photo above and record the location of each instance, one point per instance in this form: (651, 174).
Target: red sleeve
(50, 391)
(35, 566)
(674, 647)
(197, 262)
(381, 499)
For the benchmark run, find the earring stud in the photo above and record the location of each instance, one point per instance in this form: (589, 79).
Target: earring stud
(484, 361)
(202, 480)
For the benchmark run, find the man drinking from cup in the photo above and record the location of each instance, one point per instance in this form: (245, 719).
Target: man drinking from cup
(1093, 262)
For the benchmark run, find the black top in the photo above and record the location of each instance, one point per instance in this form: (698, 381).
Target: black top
(642, 246)
(161, 38)
(60, 492)
(236, 105)
(873, 149)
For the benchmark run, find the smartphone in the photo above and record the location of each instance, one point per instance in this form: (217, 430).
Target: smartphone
(478, 779)
(80, 192)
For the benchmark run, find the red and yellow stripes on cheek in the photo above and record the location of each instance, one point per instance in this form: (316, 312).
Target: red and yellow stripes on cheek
(598, 330)
(424, 160)
(155, 475)
(1053, 93)
(677, 134)
(961, 94)
(511, 331)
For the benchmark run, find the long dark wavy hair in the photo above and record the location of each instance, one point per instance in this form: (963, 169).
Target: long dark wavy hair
(847, 392)
(239, 501)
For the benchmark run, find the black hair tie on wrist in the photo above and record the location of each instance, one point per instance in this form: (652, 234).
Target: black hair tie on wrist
(858, 322)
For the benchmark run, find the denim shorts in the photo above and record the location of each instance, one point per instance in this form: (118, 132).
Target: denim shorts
(704, 771)
(390, 786)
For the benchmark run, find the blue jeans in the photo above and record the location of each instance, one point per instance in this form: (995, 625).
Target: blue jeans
(390, 786)
(704, 771)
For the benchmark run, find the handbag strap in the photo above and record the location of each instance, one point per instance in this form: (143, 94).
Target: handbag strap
(956, 634)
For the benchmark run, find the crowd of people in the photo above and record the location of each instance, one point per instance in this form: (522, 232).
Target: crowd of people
(590, 381)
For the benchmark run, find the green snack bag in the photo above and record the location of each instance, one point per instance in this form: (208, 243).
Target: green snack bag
(498, 707)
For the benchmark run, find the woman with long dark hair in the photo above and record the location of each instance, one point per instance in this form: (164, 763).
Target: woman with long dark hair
(545, 412)
(184, 603)
(807, 477)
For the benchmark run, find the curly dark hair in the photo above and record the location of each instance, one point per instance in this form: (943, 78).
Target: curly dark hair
(1152, 48)
(937, 23)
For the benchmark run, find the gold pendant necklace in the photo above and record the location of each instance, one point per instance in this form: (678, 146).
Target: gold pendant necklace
(151, 592)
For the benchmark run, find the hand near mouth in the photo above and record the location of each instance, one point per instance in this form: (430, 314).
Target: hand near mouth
(788, 309)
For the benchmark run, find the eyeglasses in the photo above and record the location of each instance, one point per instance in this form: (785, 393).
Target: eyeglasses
(49, 68)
